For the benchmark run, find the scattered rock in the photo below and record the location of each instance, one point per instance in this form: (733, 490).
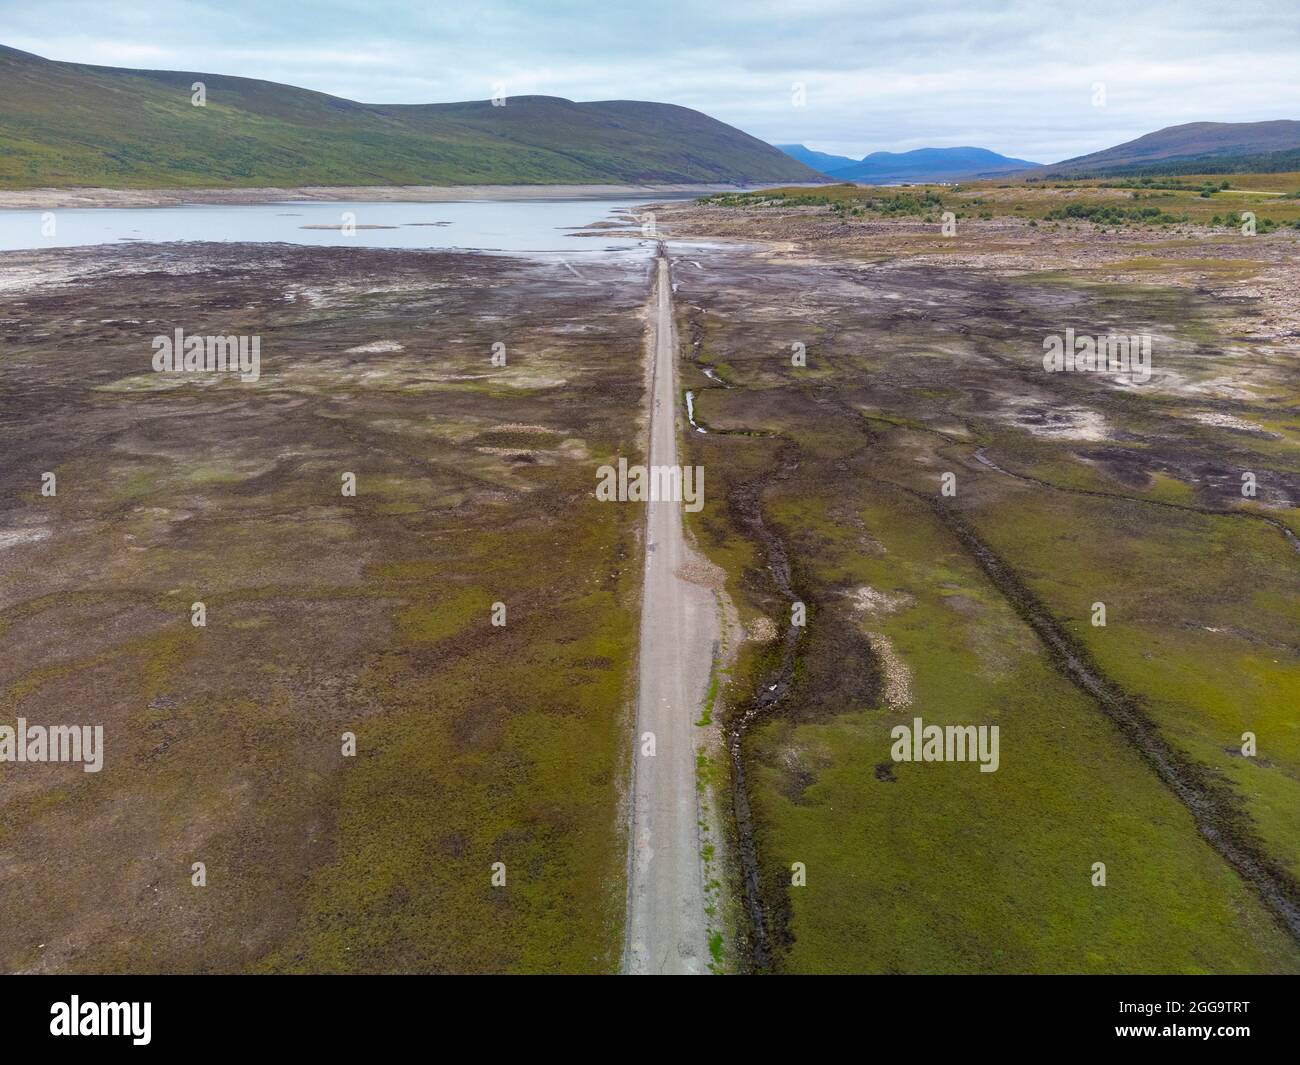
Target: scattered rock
(871, 601)
(898, 678)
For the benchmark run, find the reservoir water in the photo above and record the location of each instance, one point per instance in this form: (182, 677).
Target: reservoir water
(481, 225)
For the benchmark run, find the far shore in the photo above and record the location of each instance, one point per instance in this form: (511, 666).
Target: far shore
(55, 198)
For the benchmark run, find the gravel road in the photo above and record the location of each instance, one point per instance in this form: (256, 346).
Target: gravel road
(666, 931)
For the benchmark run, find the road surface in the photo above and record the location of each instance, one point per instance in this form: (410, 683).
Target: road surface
(666, 930)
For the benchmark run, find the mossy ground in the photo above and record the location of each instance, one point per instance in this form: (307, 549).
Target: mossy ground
(936, 867)
(476, 744)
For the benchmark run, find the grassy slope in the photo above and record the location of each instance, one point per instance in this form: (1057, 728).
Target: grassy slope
(1178, 149)
(1235, 163)
(67, 124)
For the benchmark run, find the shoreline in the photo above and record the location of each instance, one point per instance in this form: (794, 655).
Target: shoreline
(69, 198)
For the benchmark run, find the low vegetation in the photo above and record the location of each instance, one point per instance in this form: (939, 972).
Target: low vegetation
(1210, 200)
(326, 614)
(1083, 493)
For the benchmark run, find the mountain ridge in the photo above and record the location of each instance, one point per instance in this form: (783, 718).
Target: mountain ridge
(920, 164)
(75, 125)
(1188, 148)
(822, 162)
(1193, 147)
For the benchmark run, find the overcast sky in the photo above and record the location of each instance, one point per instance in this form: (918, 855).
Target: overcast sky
(1018, 78)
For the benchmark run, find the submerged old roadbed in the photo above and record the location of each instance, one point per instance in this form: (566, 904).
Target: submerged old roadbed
(666, 930)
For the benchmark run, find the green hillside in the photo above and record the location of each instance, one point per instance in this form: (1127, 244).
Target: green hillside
(1193, 148)
(70, 124)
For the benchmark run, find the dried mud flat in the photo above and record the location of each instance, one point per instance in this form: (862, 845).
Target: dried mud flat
(1121, 743)
(477, 744)
(1257, 269)
(326, 614)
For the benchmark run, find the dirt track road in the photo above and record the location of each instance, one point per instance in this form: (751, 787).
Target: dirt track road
(666, 930)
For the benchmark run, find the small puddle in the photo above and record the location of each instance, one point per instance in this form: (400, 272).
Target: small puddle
(690, 413)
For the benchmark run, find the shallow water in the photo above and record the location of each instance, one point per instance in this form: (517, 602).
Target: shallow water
(690, 412)
(513, 226)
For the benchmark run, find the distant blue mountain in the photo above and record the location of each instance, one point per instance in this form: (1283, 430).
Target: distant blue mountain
(817, 160)
(923, 164)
